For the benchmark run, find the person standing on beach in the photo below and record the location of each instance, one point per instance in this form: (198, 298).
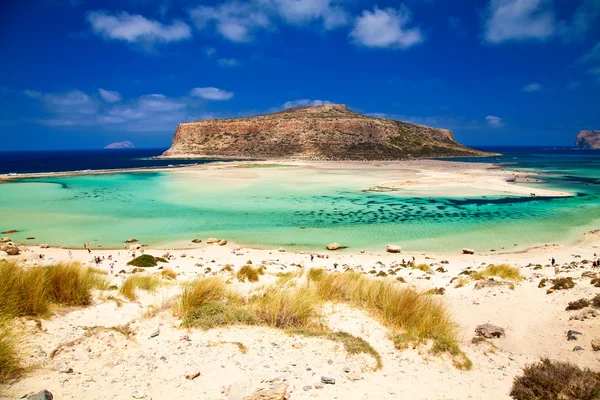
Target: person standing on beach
(70, 254)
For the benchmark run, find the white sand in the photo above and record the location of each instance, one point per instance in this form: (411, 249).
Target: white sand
(108, 365)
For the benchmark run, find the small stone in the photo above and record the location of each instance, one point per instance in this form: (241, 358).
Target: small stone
(330, 362)
(307, 388)
(572, 335)
(354, 376)
(346, 370)
(138, 395)
(577, 348)
(490, 331)
(43, 395)
(163, 358)
(63, 368)
(319, 386)
(596, 344)
(155, 333)
(327, 380)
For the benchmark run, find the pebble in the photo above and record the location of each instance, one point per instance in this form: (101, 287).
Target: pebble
(354, 377)
(327, 380)
(577, 348)
(155, 333)
(138, 395)
(329, 362)
(346, 370)
(307, 388)
(319, 386)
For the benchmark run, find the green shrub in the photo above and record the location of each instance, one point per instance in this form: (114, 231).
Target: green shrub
(146, 261)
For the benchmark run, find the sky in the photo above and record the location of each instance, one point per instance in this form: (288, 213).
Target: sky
(80, 74)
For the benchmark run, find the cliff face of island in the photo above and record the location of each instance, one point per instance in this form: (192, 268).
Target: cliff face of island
(325, 132)
(588, 139)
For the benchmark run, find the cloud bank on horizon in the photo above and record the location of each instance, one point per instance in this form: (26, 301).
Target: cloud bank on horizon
(529, 69)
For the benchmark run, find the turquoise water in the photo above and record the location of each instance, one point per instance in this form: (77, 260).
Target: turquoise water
(299, 211)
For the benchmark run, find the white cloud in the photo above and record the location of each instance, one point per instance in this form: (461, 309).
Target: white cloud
(109, 96)
(519, 20)
(493, 121)
(301, 12)
(159, 102)
(152, 112)
(227, 62)
(532, 87)
(235, 21)
(211, 93)
(386, 28)
(240, 21)
(136, 28)
(304, 102)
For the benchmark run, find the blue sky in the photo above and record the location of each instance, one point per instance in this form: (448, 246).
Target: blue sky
(85, 73)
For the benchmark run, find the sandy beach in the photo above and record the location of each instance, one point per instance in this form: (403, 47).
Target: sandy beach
(429, 175)
(106, 364)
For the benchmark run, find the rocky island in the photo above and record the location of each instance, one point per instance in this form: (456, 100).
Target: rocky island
(121, 145)
(324, 132)
(588, 139)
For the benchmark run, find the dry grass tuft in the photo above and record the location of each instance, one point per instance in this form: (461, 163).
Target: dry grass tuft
(199, 292)
(412, 316)
(168, 273)
(134, 282)
(283, 278)
(214, 313)
(31, 291)
(556, 380)
(461, 282)
(248, 272)
(422, 267)
(10, 360)
(503, 271)
(207, 303)
(286, 307)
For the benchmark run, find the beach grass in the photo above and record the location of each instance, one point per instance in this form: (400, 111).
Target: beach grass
(422, 267)
(10, 359)
(32, 291)
(503, 271)
(199, 292)
(143, 282)
(412, 316)
(250, 273)
(168, 273)
(286, 307)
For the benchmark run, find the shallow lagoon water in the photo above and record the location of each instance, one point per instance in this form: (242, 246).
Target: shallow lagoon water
(297, 211)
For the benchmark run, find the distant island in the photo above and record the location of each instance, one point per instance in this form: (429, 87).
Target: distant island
(324, 132)
(121, 145)
(588, 139)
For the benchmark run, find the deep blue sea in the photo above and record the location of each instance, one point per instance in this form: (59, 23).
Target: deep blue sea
(20, 162)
